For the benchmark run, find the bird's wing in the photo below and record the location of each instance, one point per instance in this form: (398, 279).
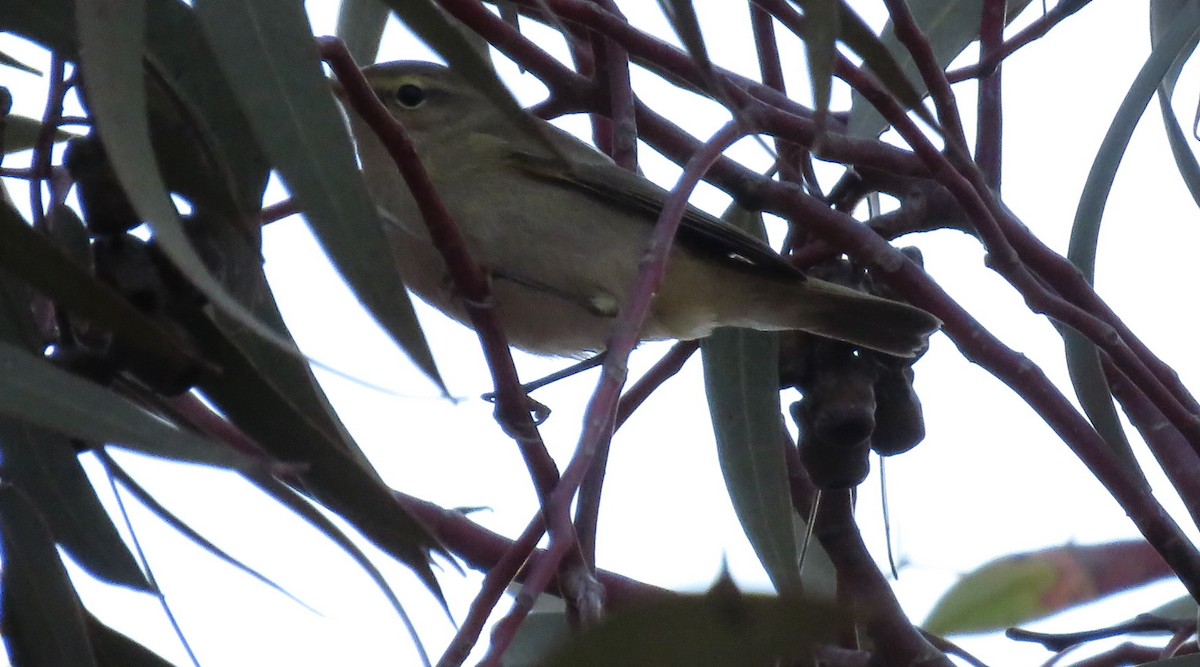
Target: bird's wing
(699, 231)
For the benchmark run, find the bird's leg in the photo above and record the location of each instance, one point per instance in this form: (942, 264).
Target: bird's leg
(541, 412)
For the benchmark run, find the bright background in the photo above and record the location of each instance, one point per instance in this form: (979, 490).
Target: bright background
(990, 478)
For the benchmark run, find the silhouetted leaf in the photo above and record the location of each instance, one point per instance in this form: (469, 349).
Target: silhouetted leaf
(820, 45)
(949, 25)
(1021, 588)
(33, 258)
(34, 391)
(169, 518)
(1163, 15)
(288, 102)
(40, 615)
(1083, 361)
(114, 649)
(719, 628)
(360, 25)
(21, 133)
(342, 482)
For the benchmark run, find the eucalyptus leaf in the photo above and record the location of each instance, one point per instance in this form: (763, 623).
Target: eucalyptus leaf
(166, 516)
(1163, 15)
(741, 377)
(820, 45)
(115, 86)
(540, 633)
(35, 392)
(46, 466)
(21, 133)
(41, 617)
(949, 25)
(360, 25)
(288, 102)
(681, 14)
(299, 504)
(334, 477)
(114, 649)
(719, 628)
(32, 257)
(16, 63)
(1083, 361)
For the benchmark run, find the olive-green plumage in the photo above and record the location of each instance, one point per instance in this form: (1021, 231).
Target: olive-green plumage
(562, 239)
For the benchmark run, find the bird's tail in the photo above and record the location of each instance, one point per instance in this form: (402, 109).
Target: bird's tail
(826, 309)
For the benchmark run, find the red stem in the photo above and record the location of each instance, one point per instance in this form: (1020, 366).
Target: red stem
(990, 131)
(587, 510)
(601, 412)
(1031, 33)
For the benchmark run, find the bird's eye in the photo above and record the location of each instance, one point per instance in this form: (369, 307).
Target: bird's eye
(410, 95)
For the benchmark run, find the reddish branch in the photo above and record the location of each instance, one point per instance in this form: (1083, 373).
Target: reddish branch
(512, 405)
(44, 143)
(989, 106)
(587, 511)
(1034, 31)
(601, 412)
(1048, 281)
(896, 641)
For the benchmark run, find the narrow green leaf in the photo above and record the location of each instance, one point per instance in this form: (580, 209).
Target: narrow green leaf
(206, 148)
(114, 649)
(1183, 608)
(342, 482)
(50, 23)
(34, 391)
(166, 516)
(949, 25)
(540, 633)
(40, 615)
(741, 377)
(15, 63)
(1083, 361)
(360, 25)
(1021, 588)
(21, 133)
(115, 85)
(720, 628)
(45, 465)
(288, 102)
(33, 258)
(1163, 15)
(681, 14)
(820, 44)
(859, 37)
(178, 53)
(299, 504)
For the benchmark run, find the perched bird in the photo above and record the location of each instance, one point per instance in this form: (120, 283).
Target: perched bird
(562, 239)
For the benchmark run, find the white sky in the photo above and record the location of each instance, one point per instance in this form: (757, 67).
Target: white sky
(990, 479)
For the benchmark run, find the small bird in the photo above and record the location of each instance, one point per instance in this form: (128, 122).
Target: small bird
(561, 232)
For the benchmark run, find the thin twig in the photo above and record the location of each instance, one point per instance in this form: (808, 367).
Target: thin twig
(1032, 32)
(43, 148)
(601, 412)
(990, 132)
(512, 405)
(896, 641)
(587, 506)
